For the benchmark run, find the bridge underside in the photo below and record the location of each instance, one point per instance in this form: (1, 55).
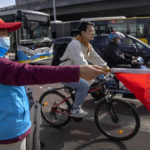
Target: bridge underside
(103, 9)
(128, 12)
(74, 10)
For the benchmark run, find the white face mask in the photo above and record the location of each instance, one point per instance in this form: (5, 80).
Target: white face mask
(4, 45)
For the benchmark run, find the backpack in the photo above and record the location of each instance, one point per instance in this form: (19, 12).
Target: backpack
(58, 53)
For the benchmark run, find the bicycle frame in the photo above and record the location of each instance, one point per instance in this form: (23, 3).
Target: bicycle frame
(109, 93)
(69, 90)
(94, 89)
(55, 107)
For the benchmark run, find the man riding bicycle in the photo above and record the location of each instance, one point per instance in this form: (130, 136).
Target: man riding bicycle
(79, 52)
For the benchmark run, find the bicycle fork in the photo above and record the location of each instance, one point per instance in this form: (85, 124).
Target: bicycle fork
(111, 109)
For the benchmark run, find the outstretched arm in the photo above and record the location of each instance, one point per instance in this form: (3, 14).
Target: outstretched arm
(14, 73)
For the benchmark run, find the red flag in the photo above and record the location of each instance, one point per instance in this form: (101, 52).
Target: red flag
(138, 83)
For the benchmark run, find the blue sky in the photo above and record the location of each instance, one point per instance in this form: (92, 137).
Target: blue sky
(5, 3)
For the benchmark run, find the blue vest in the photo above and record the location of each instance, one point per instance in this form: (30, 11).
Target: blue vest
(14, 112)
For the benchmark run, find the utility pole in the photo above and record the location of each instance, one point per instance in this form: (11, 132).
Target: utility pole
(54, 10)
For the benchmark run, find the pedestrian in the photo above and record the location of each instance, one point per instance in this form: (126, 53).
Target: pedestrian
(15, 122)
(80, 52)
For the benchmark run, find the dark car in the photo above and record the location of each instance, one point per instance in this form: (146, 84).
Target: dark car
(60, 41)
(99, 44)
(129, 44)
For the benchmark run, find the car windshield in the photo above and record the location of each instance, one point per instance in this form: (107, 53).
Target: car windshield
(126, 42)
(146, 45)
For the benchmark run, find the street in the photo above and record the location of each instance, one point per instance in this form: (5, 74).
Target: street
(85, 135)
(74, 32)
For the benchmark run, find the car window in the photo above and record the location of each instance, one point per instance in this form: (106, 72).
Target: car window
(127, 42)
(142, 48)
(139, 45)
(104, 42)
(100, 41)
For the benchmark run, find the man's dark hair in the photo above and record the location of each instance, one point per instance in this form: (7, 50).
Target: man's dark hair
(83, 26)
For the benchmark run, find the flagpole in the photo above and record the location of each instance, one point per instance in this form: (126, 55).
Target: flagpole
(129, 70)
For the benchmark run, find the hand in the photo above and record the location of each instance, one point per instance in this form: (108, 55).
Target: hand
(89, 72)
(133, 57)
(105, 69)
(122, 56)
(134, 61)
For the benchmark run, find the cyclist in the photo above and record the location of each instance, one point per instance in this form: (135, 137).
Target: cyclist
(80, 52)
(15, 122)
(112, 54)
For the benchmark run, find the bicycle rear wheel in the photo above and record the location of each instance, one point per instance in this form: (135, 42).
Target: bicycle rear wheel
(117, 119)
(54, 110)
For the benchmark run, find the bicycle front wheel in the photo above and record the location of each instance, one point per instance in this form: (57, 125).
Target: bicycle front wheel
(117, 119)
(54, 109)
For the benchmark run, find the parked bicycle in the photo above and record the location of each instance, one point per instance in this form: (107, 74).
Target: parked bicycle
(115, 118)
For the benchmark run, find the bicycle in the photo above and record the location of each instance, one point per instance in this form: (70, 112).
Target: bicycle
(109, 118)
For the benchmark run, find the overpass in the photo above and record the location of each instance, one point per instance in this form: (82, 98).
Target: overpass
(67, 10)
